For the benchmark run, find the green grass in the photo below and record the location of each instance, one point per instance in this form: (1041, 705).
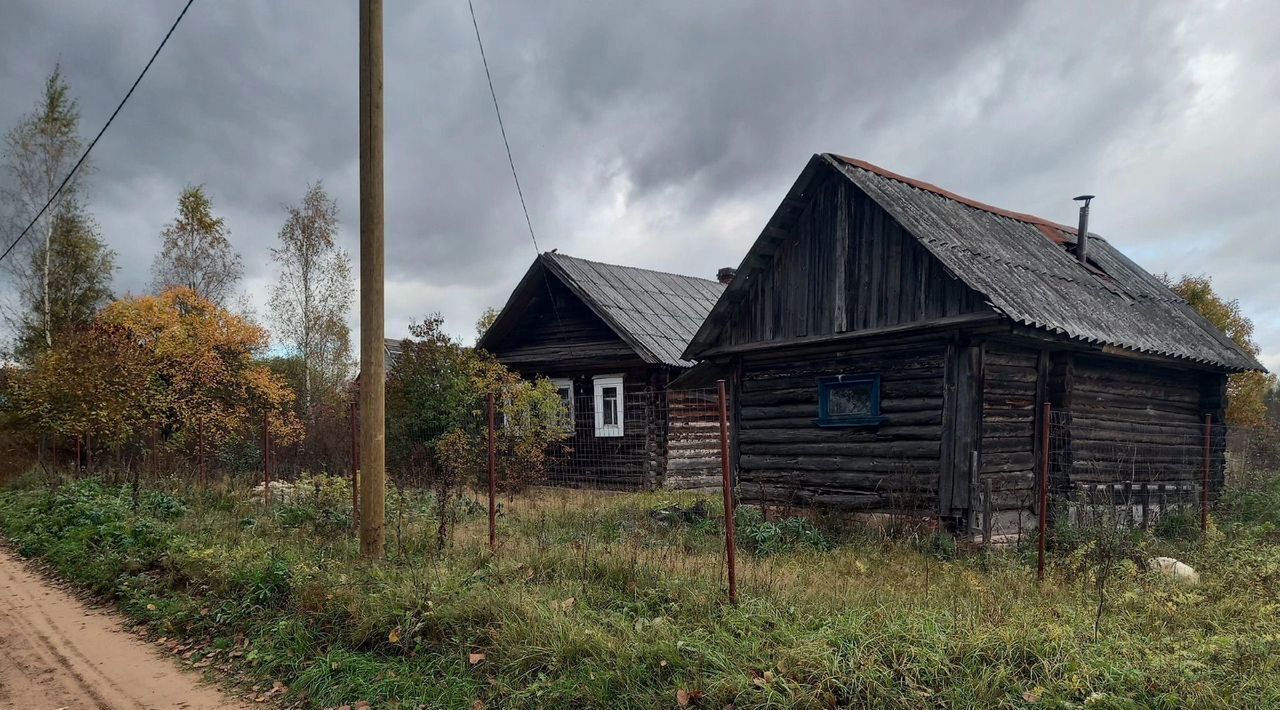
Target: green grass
(596, 601)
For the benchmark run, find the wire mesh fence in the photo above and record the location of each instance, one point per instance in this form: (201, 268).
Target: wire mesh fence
(619, 476)
(641, 479)
(1143, 475)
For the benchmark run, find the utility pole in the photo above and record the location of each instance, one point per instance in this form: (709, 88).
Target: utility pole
(372, 358)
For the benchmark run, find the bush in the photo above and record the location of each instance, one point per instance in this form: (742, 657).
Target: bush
(785, 535)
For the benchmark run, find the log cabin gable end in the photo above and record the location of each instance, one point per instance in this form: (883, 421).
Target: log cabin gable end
(832, 261)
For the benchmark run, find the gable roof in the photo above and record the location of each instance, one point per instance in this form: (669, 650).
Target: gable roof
(1019, 263)
(654, 312)
(392, 347)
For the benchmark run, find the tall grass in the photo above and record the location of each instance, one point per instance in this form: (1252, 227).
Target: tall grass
(609, 600)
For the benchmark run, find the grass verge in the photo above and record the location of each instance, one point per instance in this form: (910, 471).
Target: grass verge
(599, 601)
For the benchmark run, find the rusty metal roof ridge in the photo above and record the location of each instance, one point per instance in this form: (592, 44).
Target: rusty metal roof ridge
(943, 192)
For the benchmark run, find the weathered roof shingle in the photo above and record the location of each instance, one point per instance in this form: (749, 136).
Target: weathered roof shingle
(1022, 266)
(654, 312)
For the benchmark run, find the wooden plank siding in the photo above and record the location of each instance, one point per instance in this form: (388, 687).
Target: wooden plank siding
(846, 266)
(559, 334)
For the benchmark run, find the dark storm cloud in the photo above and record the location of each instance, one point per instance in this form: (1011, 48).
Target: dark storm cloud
(664, 134)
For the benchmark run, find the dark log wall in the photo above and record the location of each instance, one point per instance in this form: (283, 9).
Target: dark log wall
(1138, 422)
(846, 266)
(559, 334)
(785, 458)
(1009, 416)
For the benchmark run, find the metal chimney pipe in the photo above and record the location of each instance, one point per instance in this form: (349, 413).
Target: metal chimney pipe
(1082, 233)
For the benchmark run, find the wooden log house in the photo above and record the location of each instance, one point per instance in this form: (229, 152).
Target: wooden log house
(610, 338)
(890, 345)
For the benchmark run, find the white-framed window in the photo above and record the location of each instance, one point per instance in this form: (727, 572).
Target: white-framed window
(564, 387)
(608, 405)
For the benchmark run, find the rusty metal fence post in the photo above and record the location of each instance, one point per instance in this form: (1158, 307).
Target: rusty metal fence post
(155, 451)
(1043, 522)
(266, 460)
(1204, 482)
(200, 453)
(493, 481)
(355, 466)
(730, 541)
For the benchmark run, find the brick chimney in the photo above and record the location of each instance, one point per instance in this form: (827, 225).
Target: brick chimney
(725, 275)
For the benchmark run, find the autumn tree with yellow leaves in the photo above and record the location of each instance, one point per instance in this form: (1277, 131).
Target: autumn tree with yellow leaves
(174, 365)
(1247, 392)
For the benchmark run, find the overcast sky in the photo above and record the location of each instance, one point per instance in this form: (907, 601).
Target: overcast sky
(664, 134)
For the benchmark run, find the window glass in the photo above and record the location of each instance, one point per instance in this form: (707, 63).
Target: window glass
(609, 402)
(849, 400)
(609, 411)
(564, 388)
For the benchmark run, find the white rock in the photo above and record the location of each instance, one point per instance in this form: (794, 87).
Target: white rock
(1174, 569)
(281, 491)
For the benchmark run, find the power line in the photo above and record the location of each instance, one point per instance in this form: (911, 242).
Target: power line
(501, 127)
(94, 142)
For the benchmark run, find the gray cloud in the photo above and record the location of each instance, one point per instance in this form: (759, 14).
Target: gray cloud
(664, 134)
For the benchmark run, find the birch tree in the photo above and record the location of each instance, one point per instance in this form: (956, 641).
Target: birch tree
(63, 284)
(196, 253)
(313, 294)
(39, 153)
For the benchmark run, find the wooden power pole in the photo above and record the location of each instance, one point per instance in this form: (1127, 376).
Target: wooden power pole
(373, 457)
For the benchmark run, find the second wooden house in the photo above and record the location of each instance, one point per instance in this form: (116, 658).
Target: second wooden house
(891, 345)
(610, 337)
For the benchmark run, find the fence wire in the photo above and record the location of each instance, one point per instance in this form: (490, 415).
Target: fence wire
(630, 483)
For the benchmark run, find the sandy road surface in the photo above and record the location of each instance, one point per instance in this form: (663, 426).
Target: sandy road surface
(55, 652)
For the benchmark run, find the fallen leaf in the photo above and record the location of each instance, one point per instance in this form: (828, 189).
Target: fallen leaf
(567, 604)
(477, 705)
(1031, 696)
(475, 658)
(394, 636)
(662, 664)
(151, 607)
(682, 697)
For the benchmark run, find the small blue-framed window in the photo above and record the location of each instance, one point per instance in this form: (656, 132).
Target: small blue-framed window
(849, 400)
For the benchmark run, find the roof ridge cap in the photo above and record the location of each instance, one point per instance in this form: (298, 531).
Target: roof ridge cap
(631, 268)
(943, 192)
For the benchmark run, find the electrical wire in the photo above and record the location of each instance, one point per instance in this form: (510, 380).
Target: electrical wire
(94, 142)
(502, 127)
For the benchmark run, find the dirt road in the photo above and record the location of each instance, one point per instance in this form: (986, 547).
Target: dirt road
(56, 653)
